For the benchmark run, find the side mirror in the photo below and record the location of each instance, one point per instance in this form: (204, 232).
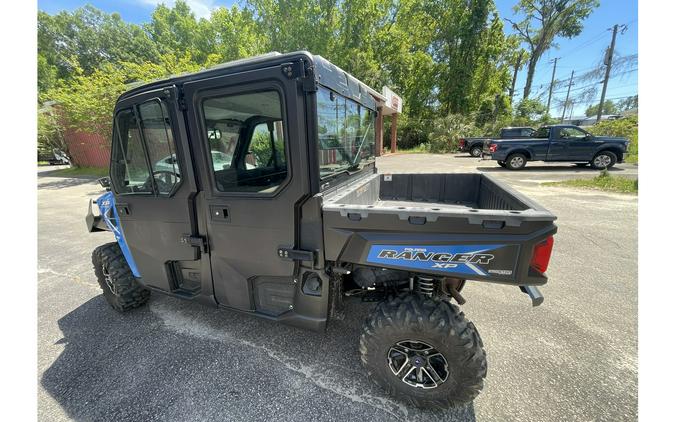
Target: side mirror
(104, 182)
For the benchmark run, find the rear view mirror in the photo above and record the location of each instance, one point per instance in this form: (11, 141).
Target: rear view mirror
(104, 182)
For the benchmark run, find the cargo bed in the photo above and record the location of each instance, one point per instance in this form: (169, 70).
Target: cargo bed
(424, 213)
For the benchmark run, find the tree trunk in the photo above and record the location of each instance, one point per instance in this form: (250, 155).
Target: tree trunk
(531, 66)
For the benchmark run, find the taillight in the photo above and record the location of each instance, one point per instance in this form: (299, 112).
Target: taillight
(542, 254)
(461, 143)
(493, 147)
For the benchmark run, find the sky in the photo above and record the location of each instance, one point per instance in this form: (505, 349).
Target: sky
(579, 54)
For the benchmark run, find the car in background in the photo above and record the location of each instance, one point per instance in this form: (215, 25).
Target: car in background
(561, 143)
(474, 146)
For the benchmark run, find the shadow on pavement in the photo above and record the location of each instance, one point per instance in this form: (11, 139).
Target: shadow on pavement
(177, 360)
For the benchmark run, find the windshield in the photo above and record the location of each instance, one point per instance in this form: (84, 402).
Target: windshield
(346, 133)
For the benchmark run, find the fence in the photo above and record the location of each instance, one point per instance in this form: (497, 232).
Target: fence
(87, 149)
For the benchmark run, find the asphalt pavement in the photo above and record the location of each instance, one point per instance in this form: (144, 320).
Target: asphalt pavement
(574, 358)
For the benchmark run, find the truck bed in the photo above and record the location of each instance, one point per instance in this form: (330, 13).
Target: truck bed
(428, 211)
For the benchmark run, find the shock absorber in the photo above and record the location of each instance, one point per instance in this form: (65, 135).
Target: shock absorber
(425, 286)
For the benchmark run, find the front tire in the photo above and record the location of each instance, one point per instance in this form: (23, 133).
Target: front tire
(603, 160)
(516, 161)
(120, 288)
(424, 352)
(476, 151)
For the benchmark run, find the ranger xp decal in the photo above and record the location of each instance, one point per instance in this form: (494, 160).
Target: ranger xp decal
(479, 260)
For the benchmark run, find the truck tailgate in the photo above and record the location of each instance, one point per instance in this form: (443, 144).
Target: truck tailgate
(456, 225)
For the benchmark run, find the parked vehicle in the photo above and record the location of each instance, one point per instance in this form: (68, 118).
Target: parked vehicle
(474, 146)
(56, 157)
(311, 222)
(561, 143)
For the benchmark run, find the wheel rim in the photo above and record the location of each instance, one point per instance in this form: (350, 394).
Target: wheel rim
(418, 364)
(517, 162)
(602, 160)
(476, 152)
(108, 280)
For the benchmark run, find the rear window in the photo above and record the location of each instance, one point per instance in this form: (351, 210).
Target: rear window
(346, 133)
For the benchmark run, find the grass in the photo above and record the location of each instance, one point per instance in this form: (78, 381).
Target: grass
(604, 182)
(81, 172)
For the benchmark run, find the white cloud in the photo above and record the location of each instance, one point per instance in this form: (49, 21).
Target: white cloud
(201, 8)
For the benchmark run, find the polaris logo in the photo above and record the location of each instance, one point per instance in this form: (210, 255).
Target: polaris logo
(440, 259)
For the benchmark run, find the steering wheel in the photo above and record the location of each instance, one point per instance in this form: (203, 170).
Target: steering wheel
(164, 179)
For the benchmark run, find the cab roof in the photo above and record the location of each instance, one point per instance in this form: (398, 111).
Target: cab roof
(325, 73)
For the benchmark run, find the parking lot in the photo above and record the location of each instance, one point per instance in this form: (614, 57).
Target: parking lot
(572, 358)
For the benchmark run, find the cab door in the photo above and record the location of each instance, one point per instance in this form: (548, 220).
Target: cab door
(249, 131)
(152, 181)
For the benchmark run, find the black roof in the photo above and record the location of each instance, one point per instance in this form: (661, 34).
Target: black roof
(325, 72)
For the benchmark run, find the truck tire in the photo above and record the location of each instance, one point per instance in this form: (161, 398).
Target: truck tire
(603, 160)
(476, 151)
(516, 161)
(119, 285)
(423, 351)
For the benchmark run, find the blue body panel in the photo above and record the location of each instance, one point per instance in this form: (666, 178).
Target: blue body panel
(106, 205)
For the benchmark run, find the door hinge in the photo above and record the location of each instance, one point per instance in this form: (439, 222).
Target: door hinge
(196, 242)
(303, 72)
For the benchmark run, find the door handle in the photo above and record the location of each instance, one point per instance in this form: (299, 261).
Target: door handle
(123, 209)
(220, 213)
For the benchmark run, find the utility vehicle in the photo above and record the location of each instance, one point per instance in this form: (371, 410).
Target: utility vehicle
(300, 218)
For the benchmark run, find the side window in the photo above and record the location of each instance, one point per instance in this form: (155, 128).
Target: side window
(148, 131)
(572, 133)
(129, 168)
(249, 155)
(541, 132)
(160, 145)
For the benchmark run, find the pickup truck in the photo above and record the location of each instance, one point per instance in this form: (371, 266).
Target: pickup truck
(474, 146)
(284, 215)
(557, 143)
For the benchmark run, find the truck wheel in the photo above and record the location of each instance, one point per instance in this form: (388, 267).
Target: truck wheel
(423, 351)
(516, 161)
(119, 285)
(476, 151)
(501, 163)
(603, 160)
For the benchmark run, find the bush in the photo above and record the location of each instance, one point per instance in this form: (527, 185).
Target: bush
(446, 132)
(411, 135)
(626, 127)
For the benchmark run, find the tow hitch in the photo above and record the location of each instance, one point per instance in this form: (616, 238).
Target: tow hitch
(534, 294)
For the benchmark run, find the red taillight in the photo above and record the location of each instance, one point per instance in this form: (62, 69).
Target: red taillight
(461, 143)
(493, 147)
(542, 254)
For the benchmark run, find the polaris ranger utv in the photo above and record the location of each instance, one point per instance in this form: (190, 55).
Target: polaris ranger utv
(252, 186)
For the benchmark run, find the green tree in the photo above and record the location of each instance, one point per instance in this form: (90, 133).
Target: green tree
(608, 107)
(543, 21)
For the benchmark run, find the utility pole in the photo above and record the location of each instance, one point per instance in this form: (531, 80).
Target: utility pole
(608, 62)
(550, 88)
(567, 98)
(515, 76)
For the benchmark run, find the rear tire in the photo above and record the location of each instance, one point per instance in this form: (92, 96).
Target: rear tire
(120, 288)
(516, 161)
(603, 160)
(410, 332)
(476, 151)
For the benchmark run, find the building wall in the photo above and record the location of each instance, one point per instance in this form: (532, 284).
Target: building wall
(87, 149)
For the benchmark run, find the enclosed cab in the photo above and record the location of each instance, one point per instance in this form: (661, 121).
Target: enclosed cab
(252, 186)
